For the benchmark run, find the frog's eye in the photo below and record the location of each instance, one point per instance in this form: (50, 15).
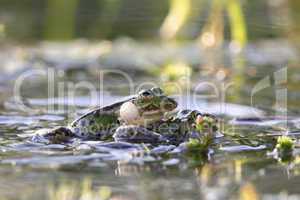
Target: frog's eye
(157, 91)
(146, 93)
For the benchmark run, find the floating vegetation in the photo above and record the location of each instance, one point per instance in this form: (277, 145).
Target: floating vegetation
(205, 124)
(253, 140)
(198, 150)
(285, 145)
(199, 146)
(284, 150)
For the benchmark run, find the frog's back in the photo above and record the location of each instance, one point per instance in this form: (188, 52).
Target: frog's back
(99, 123)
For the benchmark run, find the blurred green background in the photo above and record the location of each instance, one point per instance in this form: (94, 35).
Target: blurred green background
(238, 46)
(32, 20)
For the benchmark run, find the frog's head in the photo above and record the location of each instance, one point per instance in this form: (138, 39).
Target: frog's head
(153, 101)
(149, 106)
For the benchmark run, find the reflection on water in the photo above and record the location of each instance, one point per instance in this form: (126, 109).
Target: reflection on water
(227, 178)
(240, 169)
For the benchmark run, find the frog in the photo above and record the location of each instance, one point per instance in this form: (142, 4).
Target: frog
(148, 117)
(131, 115)
(180, 126)
(179, 132)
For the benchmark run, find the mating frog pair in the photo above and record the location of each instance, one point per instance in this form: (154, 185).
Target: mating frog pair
(148, 117)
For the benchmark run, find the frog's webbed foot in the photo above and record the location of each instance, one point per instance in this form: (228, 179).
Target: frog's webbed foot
(137, 134)
(57, 135)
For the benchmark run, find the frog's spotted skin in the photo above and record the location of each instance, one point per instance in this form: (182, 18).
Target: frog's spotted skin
(58, 135)
(181, 126)
(137, 134)
(97, 124)
(101, 123)
(174, 129)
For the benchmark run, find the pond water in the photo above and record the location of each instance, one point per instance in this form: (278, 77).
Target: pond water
(240, 166)
(57, 65)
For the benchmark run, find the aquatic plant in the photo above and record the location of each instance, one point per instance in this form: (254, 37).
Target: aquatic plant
(237, 23)
(175, 77)
(251, 139)
(2, 30)
(176, 18)
(198, 151)
(175, 70)
(212, 33)
(199, 145)
(285, 145)
(204, 123)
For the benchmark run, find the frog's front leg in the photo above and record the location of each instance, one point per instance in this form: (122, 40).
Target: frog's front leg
(137, 134)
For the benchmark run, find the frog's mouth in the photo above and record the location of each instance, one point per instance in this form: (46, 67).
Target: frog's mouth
(151, 110)
(153, 113)
(165, 105)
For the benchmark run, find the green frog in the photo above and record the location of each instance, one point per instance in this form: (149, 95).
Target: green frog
(180, 126)
(148, 117)
(134, 113)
